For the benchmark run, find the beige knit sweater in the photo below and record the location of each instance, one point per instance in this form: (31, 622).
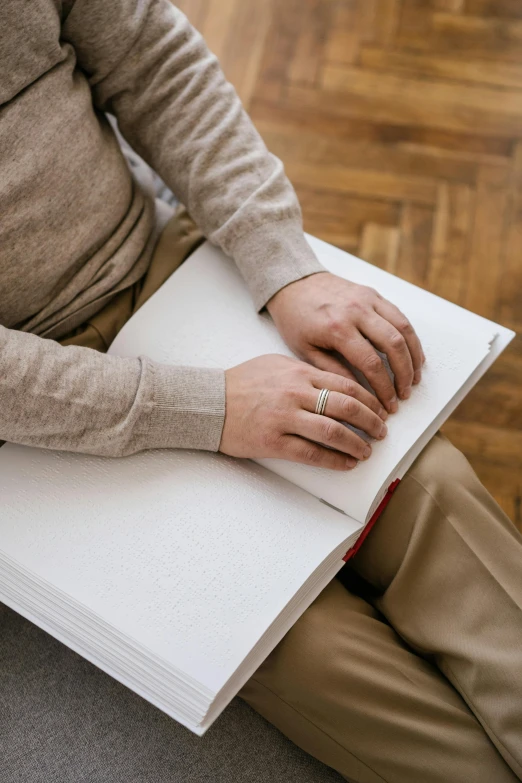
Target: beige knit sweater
(75, 227)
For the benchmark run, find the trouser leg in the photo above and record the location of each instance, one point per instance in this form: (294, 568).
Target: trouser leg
(346, 688)
(445, 568)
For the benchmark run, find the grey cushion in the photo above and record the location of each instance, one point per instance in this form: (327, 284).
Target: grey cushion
(62, 720)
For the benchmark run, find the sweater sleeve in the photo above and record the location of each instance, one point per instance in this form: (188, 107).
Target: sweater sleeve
(77, 399)
(150, 68)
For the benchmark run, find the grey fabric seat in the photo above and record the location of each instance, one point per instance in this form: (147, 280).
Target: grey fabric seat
(62, 720)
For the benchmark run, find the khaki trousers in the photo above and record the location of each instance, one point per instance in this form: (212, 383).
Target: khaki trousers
(408, 667)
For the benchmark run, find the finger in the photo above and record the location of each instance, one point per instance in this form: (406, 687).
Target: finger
(400, 322)
(365, 358)
(304, 451)
(328, 363)
(390, 341)
(350, 410)
(349, 388)
(331, 433)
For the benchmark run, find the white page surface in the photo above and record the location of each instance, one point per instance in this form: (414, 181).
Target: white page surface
(203, 316)
(192, 555)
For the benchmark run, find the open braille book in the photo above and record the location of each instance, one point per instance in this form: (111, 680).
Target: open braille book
(177, 572)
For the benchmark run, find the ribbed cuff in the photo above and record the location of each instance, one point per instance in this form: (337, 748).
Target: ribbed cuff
(272, 256)
(188, 410)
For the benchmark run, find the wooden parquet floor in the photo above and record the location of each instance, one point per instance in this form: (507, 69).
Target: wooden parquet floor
(400, 125)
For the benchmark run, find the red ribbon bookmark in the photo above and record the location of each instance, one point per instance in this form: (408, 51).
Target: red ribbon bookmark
(378, 511)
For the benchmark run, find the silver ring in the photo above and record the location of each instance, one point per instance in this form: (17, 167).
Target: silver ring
(321, 401)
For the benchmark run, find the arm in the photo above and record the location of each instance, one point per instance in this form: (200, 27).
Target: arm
(149, 67)
(152, 70)
(77, 399)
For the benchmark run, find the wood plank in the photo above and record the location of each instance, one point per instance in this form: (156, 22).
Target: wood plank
(498, 37)
(451, 150)
(416, 229)
(495, 401)
(415, 22)
(452, 6)
(267, 91)
(386, 97)
(343, 41)
(446, 33)
(312, 33)
(510, 298)
(243, 47)
(386, 21)
(363, 182)
(450, 241)
(440, 242)
(508, 8)
(380, 246)
(282, 42)
(352, 22)
(460, 69)
(314, 111)
(485, 262)
(344, 212)
(289, 140)
(340, 218)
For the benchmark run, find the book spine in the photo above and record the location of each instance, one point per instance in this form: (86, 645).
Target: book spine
(378, 511)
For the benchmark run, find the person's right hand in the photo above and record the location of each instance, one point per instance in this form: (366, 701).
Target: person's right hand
(270, 404)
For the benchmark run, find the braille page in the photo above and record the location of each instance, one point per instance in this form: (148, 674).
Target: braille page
(193, 555)
(203, 316)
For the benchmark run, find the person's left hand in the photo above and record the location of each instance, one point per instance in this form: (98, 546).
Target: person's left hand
(321, 315)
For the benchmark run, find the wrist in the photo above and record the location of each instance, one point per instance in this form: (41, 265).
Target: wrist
(285, 294)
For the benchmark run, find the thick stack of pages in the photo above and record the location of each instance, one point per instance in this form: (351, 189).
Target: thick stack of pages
(178, 572)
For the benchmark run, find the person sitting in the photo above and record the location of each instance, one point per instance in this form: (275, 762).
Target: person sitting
(408, 667)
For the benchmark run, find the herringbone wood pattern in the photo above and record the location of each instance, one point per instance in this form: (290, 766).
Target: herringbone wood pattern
(400, 125)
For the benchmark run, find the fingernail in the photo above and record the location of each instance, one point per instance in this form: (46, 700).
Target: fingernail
(394, 405)
(383, 432)
(383, 414)
(351, 463)
(416, 376)
(406, 393)
(423, 357)
(367, 451)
